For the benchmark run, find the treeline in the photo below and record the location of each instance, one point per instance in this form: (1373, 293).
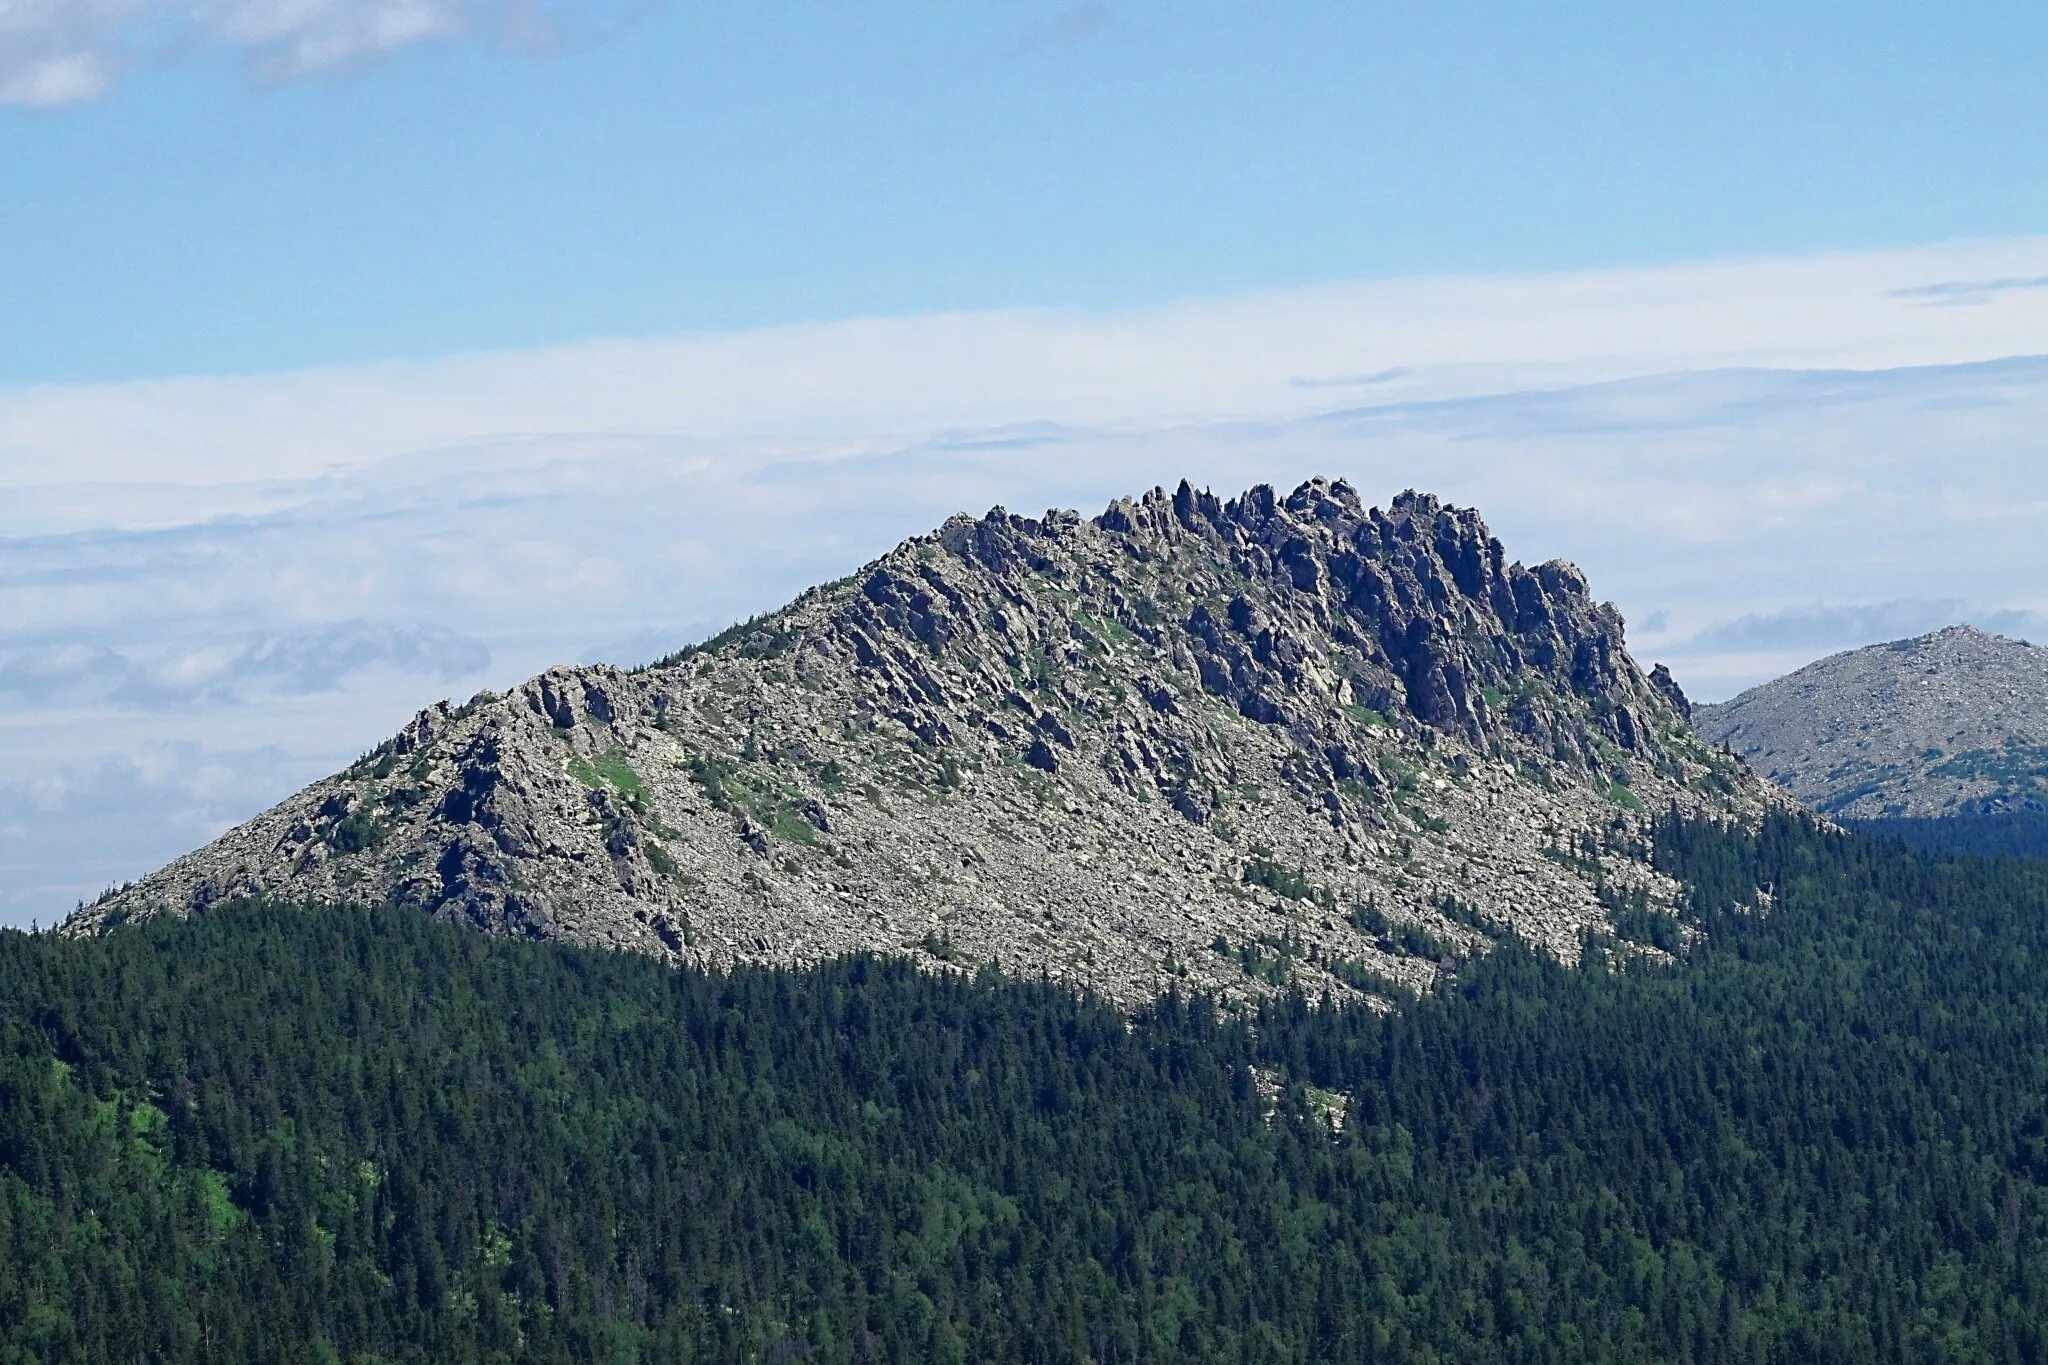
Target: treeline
(2007, 834)
(281, 1134)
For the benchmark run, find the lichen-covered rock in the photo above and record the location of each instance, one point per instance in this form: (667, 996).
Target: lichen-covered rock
(1221, 744)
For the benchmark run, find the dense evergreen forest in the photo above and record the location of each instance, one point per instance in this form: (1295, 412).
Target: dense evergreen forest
(2008, 834)
(280, 1134)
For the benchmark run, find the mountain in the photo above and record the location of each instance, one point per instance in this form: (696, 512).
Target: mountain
(1225, 744)
(1948, 725)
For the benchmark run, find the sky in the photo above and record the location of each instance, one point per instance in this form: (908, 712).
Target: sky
(365, 352)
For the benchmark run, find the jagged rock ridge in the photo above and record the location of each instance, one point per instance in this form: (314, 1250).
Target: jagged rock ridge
(1220, 743)
(1949, 724)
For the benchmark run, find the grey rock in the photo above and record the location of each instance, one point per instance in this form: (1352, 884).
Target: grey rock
(1661, 679)
(1952, 723)
(1090, 748)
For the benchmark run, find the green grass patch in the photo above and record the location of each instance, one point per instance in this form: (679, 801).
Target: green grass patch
(787, 825)
(1620, 795)
(732, 787)
(1106, 629)
(609, 769)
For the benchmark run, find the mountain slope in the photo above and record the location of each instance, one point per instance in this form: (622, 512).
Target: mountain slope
(279, 1133)
(1949, 724)
(1220, 743)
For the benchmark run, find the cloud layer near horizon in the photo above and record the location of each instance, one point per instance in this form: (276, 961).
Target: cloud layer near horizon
(1272, 354)
(247, 582)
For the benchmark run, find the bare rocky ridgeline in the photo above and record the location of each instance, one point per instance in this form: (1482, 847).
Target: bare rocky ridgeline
(1224, 744)
(1953, 723)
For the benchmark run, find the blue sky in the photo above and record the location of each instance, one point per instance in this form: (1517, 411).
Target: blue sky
(359, 353)
(519, 176)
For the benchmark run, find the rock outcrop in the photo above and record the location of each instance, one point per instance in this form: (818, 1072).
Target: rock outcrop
(1949, 724)
(1225, 744)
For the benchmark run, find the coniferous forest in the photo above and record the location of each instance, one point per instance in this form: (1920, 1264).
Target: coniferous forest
(2019, 833)
(285, 1134)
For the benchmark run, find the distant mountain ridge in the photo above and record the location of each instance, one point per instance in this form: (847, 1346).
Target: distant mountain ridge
(1224, 744)
(1948, 725)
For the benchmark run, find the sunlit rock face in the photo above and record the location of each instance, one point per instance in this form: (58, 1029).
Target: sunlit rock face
(1220, 744)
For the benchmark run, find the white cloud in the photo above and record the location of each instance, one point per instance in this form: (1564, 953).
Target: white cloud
(1422, 339)
(230, 671)
(1812, 629)
(58, 52)
(1967, 291)
(62, 52)
(287, 39)
(70, 831)
(59, 78)
(1686, 496)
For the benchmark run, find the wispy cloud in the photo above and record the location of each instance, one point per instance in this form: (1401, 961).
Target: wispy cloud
(1969, 291)
(851, 380)
(70, 830)
(1818, 628)
(289, 39)
(74, 674)
(62, 52)
(1347, 381)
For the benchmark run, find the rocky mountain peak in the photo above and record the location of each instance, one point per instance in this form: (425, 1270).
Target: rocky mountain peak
(1952, 723)
(1231, 742)
(1418, 600)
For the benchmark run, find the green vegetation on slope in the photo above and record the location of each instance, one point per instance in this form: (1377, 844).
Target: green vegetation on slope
(2008, 834)
(275, 1134)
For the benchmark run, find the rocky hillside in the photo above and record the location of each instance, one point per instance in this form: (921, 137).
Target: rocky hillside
(1222, 743)
(1949, 724)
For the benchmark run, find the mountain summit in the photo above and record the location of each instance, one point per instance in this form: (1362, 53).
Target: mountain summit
(1222, 743)
(1949, 724)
